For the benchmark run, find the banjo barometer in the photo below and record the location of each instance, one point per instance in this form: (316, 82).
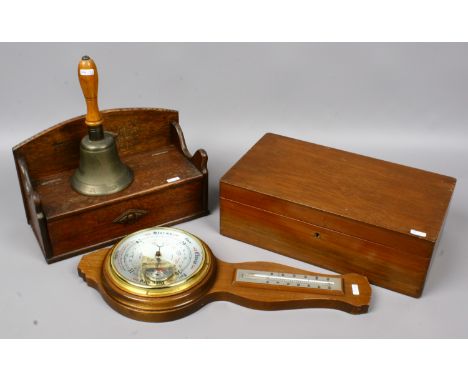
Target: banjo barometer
(161, 274)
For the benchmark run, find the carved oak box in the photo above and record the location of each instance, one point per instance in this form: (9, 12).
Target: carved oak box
(169, 186)
(337, 210)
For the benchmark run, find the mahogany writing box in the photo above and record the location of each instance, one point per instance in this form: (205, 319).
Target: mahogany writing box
(337, 210)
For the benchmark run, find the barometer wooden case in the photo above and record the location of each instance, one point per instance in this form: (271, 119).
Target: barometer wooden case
(170, 185)
(161, 274)
(338, 210)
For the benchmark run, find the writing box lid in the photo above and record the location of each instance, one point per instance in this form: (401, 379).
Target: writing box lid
(376, 200)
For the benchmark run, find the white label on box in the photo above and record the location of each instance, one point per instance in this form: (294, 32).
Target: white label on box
(173, 179)
(418, 233)
(87, 72)
(355, 288)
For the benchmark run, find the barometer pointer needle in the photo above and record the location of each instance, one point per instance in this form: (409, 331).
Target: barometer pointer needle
(158, 253)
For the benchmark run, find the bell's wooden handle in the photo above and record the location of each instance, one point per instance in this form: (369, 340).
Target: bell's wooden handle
(88, 76)
(353, 295)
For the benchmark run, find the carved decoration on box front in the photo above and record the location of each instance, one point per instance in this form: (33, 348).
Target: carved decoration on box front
(130, 216)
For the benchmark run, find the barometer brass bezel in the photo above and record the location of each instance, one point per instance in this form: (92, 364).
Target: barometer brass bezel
(160, 290)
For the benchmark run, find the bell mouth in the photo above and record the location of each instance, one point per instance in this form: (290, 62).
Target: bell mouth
(95, 189)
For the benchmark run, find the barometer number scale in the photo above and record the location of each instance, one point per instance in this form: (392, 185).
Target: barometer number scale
(289, 280)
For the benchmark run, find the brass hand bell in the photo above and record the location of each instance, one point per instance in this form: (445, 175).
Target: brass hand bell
(101, 172)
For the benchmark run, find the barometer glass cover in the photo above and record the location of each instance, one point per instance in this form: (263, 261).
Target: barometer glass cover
(157, 259)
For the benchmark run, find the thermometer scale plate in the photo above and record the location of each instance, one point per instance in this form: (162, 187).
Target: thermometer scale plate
(290, 280)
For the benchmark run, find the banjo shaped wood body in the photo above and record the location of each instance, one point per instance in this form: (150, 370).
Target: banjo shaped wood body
(220, 283)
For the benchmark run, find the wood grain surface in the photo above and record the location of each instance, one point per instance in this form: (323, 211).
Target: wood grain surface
(170, 184)
(342, 211)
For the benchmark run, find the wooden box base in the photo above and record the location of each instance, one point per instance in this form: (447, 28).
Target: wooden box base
(338, 210)
(169, 186)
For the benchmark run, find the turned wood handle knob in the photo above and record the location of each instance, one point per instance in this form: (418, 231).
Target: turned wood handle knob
(88, 76)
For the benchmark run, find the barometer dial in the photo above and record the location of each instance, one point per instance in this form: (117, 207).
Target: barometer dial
(159, 261)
